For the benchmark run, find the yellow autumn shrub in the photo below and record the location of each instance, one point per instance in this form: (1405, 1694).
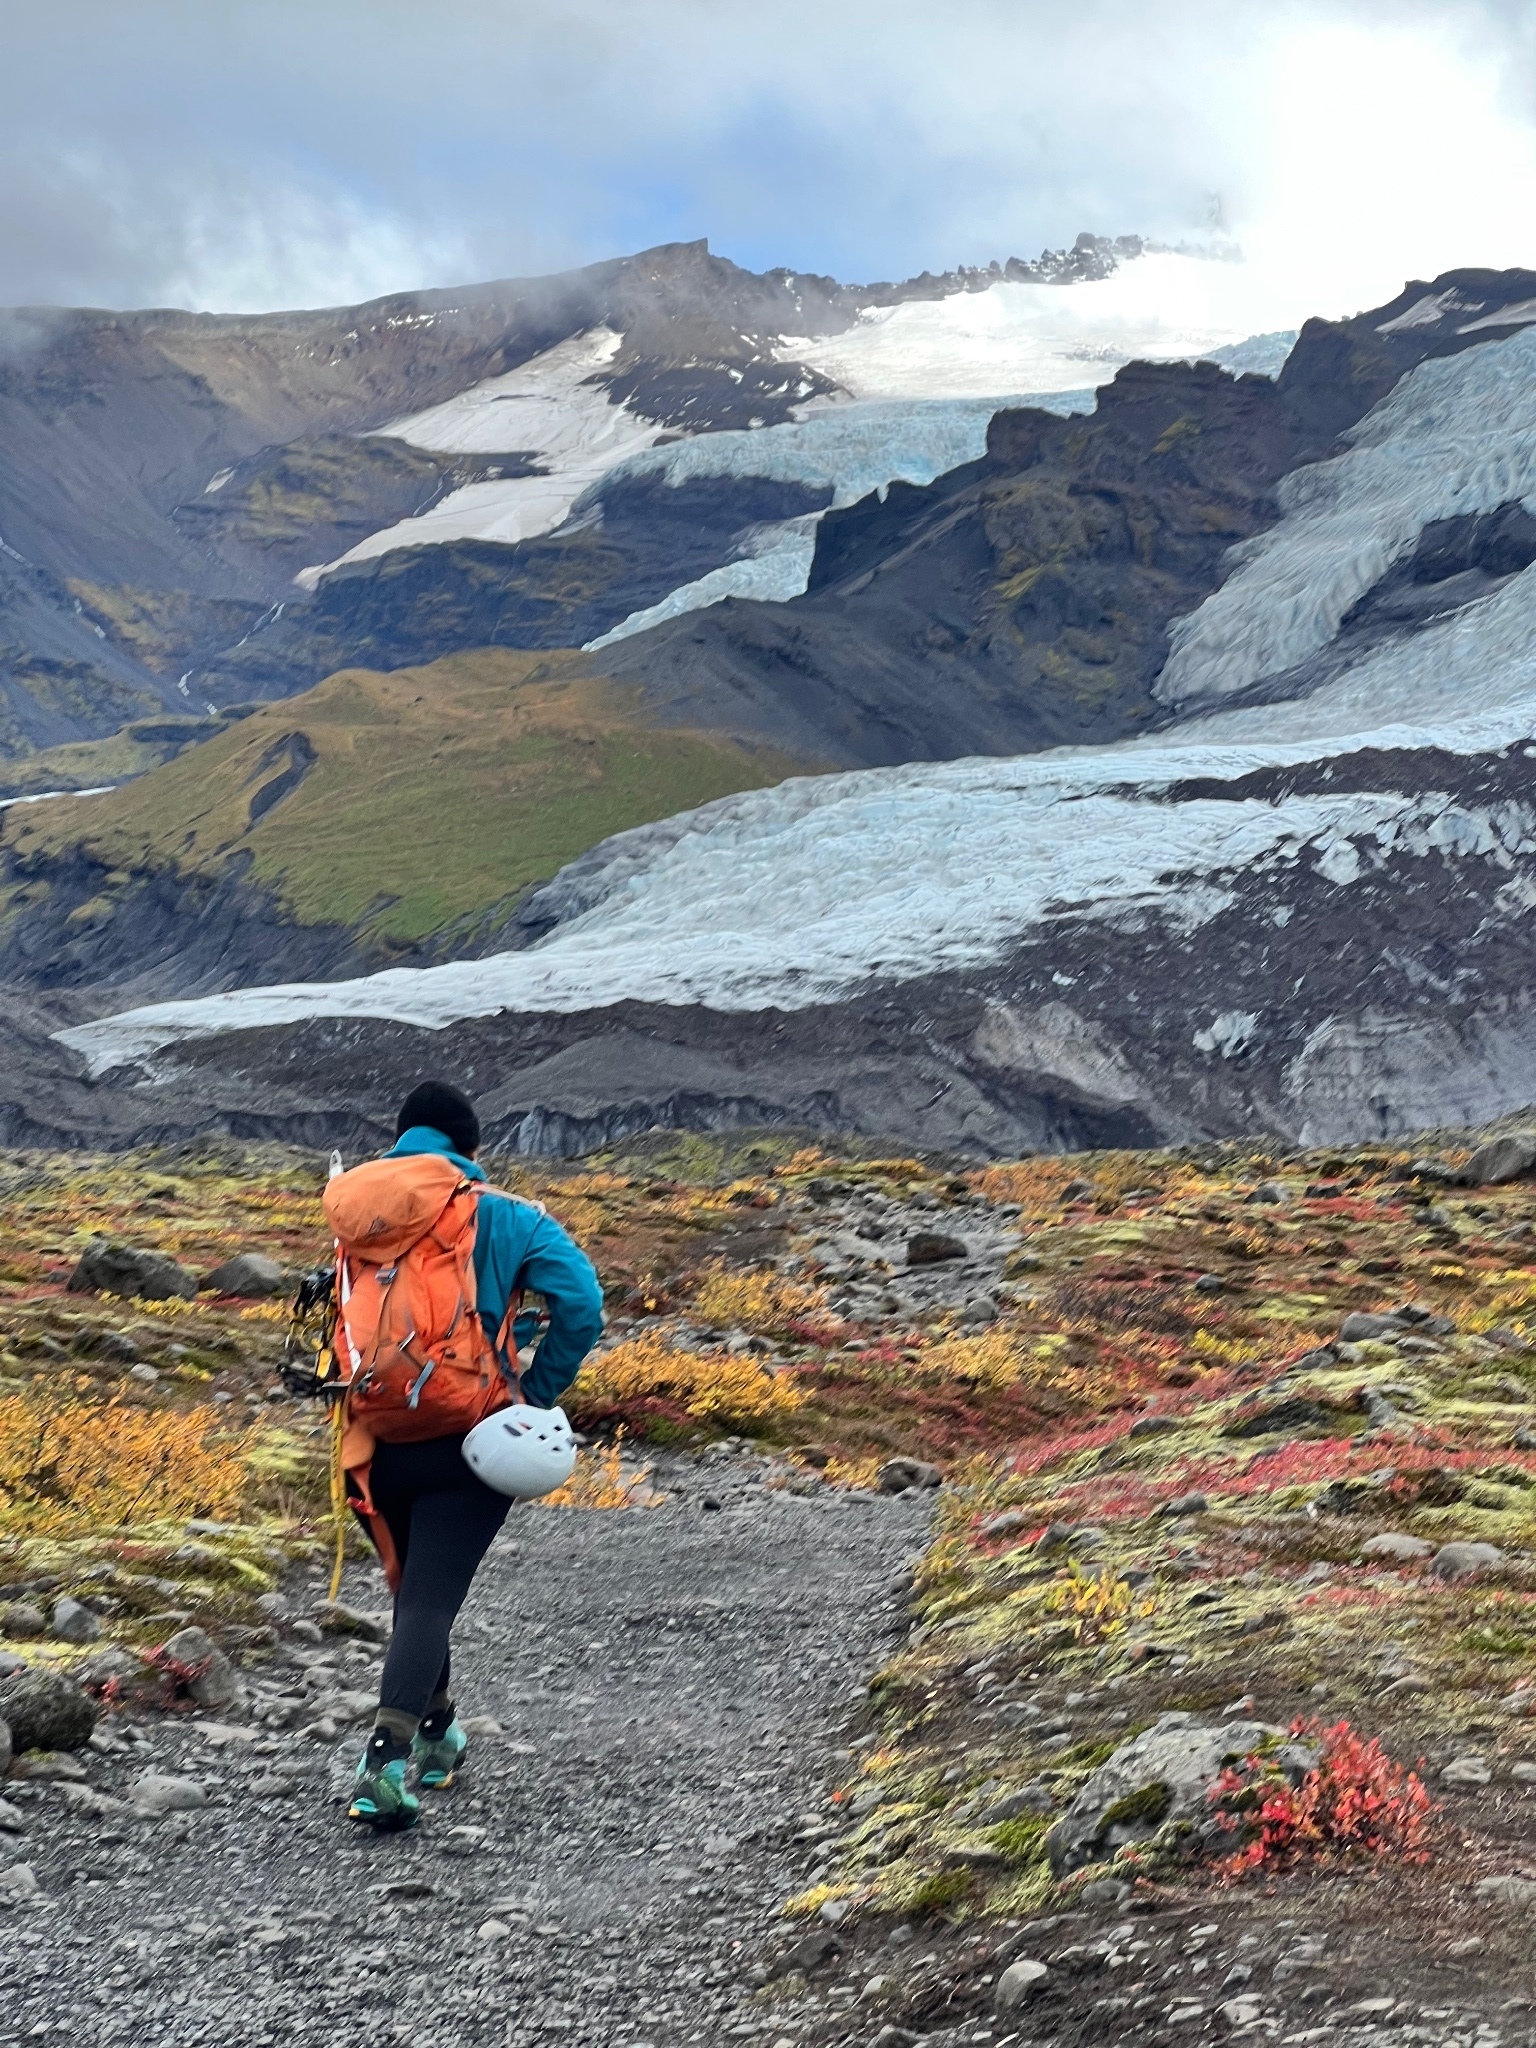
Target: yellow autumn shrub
(761, 1302)
(710, 1386)
(75, 1466)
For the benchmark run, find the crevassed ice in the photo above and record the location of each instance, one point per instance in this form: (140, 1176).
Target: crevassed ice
(1457, 435)
(793, 895)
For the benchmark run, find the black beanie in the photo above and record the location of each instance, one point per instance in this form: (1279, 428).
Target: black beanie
(442, 1108)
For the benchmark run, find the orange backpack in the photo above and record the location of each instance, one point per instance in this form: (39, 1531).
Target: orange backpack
(411, 1348)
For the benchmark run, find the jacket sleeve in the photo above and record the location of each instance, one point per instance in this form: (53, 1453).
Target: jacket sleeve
(540, 1255)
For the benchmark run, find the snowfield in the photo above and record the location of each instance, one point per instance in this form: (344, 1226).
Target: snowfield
(1047, 337)
(548, 408)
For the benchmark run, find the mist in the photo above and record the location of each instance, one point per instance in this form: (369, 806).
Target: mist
(267, 154)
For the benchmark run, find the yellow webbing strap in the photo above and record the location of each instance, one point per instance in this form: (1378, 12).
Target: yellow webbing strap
(338, 1496)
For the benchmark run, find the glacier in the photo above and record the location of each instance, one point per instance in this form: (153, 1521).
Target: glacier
(1165, 306)
(796, 895)
(1457, 435)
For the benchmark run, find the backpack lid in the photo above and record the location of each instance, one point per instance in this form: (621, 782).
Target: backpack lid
(380, 1209)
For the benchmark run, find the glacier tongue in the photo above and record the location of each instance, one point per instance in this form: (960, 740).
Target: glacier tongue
(1457, 435)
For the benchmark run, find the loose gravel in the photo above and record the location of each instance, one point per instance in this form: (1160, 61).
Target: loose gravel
(672, 1684)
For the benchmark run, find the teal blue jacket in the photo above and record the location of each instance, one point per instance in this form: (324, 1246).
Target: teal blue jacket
(517, 1246)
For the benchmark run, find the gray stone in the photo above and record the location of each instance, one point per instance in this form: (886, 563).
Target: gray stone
(1394, 1545)
(7, 1747)
(199, 1669)
(251, 1274)
(12, 1820)
(113, 1345)
(1465, 1560)
(18, 1885)
(74, 1623)
(1034, 1797)
(906, 1475)
(157, 1792)
(1167, 1771)
(1153, 1425)
(1012, 1522)
(46, 1710)
(1500, 1159)
(339, 1620)
(932, 1247)
(1185, 1504)
(19, 1619)
(1360, 1328)
(112, 1670)
(1467, 1770)
(1271, 1191)
(1507, 1891)
(108, 1266)
(1239, 2012)
(1018, 1983)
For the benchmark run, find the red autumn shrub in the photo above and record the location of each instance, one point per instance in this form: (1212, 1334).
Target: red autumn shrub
(1355, 1801)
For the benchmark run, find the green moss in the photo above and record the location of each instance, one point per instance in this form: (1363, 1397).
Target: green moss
(1021, 1841)
(942, 1892)
(1148, 1804)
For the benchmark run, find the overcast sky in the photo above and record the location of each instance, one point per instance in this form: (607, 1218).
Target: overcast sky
(242, 154)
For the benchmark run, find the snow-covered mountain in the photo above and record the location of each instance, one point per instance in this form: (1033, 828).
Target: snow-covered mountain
(1304, 901)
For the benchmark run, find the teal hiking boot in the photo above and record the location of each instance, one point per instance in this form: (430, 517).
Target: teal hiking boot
(438, 1756)
(379, 1797)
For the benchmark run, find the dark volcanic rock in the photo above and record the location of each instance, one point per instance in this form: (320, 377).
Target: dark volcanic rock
(46, 1710)
(931, 1247)
(110, 1267)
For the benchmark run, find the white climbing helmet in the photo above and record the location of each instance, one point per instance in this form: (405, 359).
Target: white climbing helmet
(522, 1451)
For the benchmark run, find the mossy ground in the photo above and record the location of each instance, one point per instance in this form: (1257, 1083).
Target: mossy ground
(1163, 1388)
(432, 795)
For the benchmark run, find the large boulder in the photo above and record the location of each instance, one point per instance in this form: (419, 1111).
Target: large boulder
(108, 1266)
(933, 1247)
(46, 1710)
(1164, 1774)
(1501, 1159)
(252, 1275)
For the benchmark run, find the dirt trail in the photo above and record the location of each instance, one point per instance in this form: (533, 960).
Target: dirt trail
(669, 1681)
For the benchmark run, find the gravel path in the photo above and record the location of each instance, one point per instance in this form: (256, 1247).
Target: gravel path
(671, 1683)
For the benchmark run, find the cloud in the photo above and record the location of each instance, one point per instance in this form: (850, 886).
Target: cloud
(265, 152)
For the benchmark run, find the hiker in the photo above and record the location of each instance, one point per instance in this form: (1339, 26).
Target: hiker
(430, 1273)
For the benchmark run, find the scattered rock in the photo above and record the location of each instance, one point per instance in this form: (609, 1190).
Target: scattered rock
(1239, 2012)
(1185, 1504)
(7, 1750)
(112, 1672)
(18, 1885)
(338, 1620)
(932, 1247)
(157, 1792)
(251, 1274)
(1012, 1522)
(114, 1346)
(108, 1266)
(1104, 1891)
(1035, 1797)
(1360, 1328)
(1500, 1159)
(1153, 1425)
(1396, 1546)
(1163, 1774)
(199, 1669)
(12, 1820)
(19, 1619)
(1507, 1891)
(1211, 1283)
(1270, 1191)
(904, 1475)
(1018, 1983)
(1467, 1770)
(1465, 1560)
(74, 1623)
(46, 1710)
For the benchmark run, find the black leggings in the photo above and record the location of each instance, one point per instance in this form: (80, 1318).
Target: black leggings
(443, 1520)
